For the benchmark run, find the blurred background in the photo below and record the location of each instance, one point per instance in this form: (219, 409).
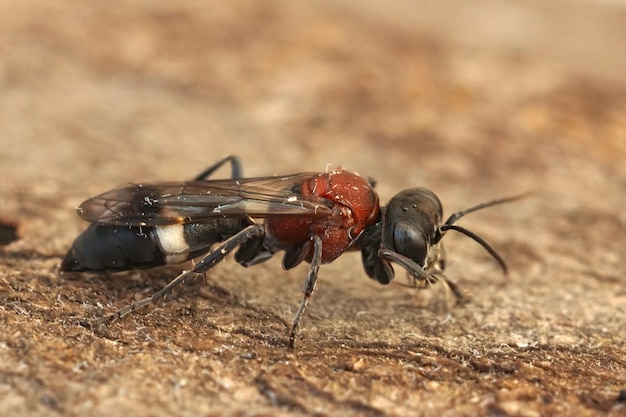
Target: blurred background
(407, 92)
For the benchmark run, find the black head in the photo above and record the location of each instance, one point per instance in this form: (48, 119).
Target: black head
(410, 224)
(407, 228)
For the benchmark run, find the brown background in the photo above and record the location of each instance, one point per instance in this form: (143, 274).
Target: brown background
(474, 102)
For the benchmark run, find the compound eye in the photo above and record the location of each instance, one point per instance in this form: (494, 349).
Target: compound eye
(410, 242)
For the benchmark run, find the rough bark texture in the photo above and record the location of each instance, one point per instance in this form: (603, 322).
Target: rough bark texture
(474, 102)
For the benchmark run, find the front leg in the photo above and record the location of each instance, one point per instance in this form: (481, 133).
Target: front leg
(435, 268)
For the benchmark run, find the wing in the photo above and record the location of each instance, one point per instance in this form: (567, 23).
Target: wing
(200, 201)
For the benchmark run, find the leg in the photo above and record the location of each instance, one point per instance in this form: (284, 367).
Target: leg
(416, 271)
(424, 276)
(435, 270)
(309, 287)
(235, 163)
(208, 262)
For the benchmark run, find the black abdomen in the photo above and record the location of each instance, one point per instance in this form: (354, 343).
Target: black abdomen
(113, 248)
(120, 248)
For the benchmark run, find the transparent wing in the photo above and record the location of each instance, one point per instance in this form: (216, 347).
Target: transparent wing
(201, 201)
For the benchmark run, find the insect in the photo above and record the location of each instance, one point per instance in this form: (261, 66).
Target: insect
(312, 217)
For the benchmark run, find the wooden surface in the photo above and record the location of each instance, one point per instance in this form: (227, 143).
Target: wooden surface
(473, 103)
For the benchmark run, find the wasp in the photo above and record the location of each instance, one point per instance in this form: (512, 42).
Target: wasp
(311, 217)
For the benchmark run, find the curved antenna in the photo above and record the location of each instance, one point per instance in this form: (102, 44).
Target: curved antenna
(456, 216)
(482, 242)
(449, 225)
